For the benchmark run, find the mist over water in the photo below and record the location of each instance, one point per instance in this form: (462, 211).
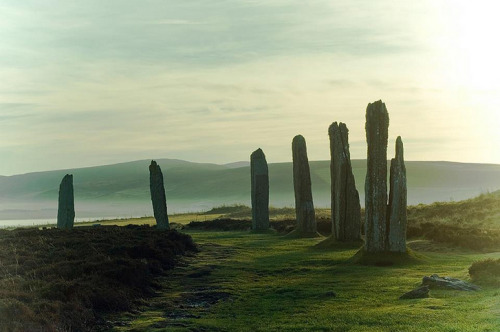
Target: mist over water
(44, 213)
(122, 190)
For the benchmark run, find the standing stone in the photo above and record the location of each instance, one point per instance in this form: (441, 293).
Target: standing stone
(377, 126)
(158, 195)
(304, 207)
(259, 191)
(397, 201)
(346, 209)
(66, 206)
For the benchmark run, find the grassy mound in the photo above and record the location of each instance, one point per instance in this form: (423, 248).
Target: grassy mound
(482, 211)
(386, 258)
(474, 238)
(486, 272)
(53, 279)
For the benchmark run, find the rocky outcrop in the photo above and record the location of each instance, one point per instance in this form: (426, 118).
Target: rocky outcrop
(66, 206)
(345, 205)
(435, 281)
(158, 198)
(259, 191)
(304, 207)
(377, 126)
(397, 202)
(418, 293)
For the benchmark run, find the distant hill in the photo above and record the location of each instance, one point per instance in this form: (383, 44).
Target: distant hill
(122, 190)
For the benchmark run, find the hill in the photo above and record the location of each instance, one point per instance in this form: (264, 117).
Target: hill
(122, 190)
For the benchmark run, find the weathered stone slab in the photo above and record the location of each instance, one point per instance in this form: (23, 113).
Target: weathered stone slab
(259, 191)
(397, 201)
(158, 197)
(377, 127)
(66, 206)
(418, 293)
(345, 205)
(304, 207)
(435, 281)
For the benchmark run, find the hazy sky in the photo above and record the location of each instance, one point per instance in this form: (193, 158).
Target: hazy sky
(95, 82)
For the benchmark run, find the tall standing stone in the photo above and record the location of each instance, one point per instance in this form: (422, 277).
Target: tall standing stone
(304, 207)
(66, 205)
(397, 201)
(259, 191)
(345, 205)
(377, 127)
(158, 195)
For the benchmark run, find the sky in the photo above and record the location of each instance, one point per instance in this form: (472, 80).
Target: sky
(97, 82)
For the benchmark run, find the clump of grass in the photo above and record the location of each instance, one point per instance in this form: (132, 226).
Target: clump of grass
(53, 279)
(486, 272)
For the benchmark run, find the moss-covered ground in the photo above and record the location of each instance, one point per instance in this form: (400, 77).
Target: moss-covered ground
(241, 281)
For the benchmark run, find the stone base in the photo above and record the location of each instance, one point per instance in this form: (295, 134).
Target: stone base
(295, 234)
(332, 243)
(264, 231)
(386, 258)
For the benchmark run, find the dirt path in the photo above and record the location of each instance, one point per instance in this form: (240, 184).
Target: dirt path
(187, 294)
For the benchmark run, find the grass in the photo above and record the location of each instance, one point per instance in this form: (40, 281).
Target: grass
(266, 282)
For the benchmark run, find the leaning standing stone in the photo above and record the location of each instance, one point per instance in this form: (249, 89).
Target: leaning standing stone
(418, 293)
(304, 207)
(158, 195)
(377, 126)
(346, 209)
(259, 191)
(397, 201)
(66, 206)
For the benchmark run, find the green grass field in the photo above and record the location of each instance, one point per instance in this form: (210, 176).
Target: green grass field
(265, 282)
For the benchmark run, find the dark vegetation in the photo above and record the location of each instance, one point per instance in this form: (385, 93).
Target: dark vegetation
(230, 224)
(486, 272)
(243, 211)
(57, 280)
